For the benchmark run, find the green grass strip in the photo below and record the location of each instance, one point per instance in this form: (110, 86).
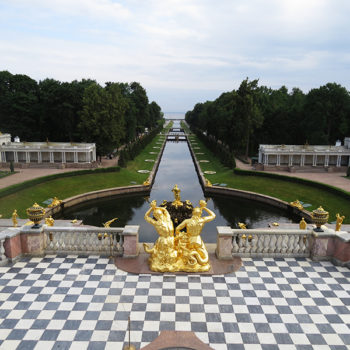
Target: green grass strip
(64, 185)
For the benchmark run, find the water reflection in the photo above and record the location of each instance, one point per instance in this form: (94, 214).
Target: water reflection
(176, 167)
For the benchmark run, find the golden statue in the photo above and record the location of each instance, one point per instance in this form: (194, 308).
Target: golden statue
(297, 204)
(163, 255)
(275, 224)
(49, 221)
(242, 226)
(177, 202)
(14, 218)
(302, 224)
(340, 220)
(185, 251)
(147, 182)
(208, 183)
(192, 253)
(108, 223)
(55, 201)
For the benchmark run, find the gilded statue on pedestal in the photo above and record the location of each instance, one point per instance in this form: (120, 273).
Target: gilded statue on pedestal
(14, 218)
(339, 222)
(302, 224)
(182, 249)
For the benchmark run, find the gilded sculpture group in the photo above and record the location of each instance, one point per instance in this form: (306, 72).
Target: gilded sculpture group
(177, 250)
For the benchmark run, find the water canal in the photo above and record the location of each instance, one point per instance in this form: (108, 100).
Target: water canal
(176, 167)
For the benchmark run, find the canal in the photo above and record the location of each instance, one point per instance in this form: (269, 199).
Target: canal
(176, 167)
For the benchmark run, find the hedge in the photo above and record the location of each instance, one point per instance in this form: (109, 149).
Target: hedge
(26, 184)
(225, 156)
(329, 188)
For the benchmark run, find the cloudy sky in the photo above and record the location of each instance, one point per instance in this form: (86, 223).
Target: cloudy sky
(181, 51)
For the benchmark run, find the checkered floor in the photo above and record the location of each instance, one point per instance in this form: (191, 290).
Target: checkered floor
(77, 302)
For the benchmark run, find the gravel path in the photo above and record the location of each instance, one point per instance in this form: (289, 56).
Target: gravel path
(32, 173)
(333, 179)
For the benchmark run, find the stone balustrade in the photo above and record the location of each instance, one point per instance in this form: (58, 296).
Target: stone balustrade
(25, 240)
(263, 243)
(84, 240)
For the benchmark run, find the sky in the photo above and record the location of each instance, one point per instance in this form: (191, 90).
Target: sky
(181, 51)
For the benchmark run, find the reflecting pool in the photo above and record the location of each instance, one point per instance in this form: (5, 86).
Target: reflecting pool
(176, 167)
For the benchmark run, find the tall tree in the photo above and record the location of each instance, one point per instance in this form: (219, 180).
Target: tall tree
(247, 109)
(102, 117)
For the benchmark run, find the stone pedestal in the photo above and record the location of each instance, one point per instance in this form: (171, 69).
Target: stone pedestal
(32, 240)
(224, 243)
(131, 241)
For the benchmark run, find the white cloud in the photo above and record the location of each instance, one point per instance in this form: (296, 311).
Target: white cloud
(189, 45)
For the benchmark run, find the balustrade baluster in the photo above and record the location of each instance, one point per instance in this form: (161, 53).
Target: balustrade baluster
(241, 242)
(272, 245)
(291, 239)
(254, 243)
(247, 244)
(279, 243)
(235, 246)
(296, 247)
(284, 244)
(266, 243)
(2, 250)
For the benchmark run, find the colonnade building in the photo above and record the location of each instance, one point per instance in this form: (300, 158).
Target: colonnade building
(305, 157)
(46, 154)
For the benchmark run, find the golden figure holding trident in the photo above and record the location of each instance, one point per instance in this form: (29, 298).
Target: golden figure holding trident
(163, 256)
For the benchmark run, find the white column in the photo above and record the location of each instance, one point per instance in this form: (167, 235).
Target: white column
(3, 157)
(40, 159)
(87, 157)
(75, 157)
(266, 160)
(314, 160)
(326, 160)
(302, 159)
(63, 157)
(290, 163)
(27, 157)
(338, 161)
(15, 156)
(278, 159)
(51, 157)
(94, 155)
(260, 157)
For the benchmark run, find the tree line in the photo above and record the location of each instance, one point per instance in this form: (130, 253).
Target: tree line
(251, 115)
(77, 111)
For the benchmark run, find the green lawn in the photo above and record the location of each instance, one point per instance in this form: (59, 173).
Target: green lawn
(281, 189)
(71, 186)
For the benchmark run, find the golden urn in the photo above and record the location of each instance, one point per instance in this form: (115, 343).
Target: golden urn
(35, 213)
(319, 217)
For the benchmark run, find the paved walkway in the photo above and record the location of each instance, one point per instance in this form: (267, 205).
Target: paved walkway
(333, 179)
(83, 302)
(32, 173)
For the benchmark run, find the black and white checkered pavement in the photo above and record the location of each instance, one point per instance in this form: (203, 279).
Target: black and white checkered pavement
(78, 302)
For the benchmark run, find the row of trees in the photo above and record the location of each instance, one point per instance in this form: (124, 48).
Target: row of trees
(79, 111)
(252, 115)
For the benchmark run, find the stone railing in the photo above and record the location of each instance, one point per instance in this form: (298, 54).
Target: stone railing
(263, 243)
(81, 239)
(26, 240)
(2, 249)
